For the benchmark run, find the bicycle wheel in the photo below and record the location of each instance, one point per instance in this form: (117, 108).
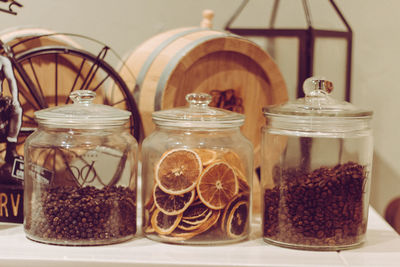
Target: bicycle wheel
(56, 71)
(25, 38)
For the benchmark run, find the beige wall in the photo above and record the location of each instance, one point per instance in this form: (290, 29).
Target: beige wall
(124, 24)
(375, 72)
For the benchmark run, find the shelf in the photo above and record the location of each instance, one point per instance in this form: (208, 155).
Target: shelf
(382, 248)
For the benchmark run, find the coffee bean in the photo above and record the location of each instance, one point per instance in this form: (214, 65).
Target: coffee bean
(320, 208)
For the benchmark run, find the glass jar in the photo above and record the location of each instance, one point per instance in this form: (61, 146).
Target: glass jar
(316, 171)
(80, 175)
(197, 171)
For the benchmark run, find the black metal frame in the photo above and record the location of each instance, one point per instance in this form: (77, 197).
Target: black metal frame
(306, 39)
(10, 7)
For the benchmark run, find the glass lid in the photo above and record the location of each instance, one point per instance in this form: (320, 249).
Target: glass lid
(198, 114)
(317, 103)
(82, 112)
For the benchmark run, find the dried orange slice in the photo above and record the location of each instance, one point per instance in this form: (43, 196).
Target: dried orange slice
(149, 229)
(192, 224)
(164, 224)
(203, 227)
(195, 210)
(150, 204)
(243, 184)
(233, 159)
(188, 227)
(199, 220)
(217, 185)
(228, 209)
(172, 204)
(206, 155)
(172, 239)
(147, 214)
(237, 220)
(181, 235)
(178, 170)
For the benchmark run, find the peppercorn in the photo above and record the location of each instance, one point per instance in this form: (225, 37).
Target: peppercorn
(69, 213)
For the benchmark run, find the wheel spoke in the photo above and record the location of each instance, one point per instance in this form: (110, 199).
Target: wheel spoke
(36, 78)
(123, 100)
(54, 161)
(30, 118)
(89, 77)
(76, 79)
(95, 67)
(26, 95)
(56, 79)
(92, 77)
(100, 83)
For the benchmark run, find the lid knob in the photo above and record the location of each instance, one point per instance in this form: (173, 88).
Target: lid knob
(208, 15)
(200, 100)
(85, 97)
(317, 86)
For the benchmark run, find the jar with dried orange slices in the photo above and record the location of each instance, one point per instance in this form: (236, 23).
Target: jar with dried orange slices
(196, 175)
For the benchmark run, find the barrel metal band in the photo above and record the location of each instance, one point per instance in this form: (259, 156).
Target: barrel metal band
(174, 62)
(146, 65)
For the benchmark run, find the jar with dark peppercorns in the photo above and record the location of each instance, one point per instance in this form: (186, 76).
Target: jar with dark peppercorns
(316, 171)
(197, 175)
(80, 175)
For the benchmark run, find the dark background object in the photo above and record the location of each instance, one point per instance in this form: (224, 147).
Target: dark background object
(392, 214)
(306, 37)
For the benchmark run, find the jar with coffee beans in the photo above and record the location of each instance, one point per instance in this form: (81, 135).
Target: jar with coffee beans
(316, 171)
(80, 174)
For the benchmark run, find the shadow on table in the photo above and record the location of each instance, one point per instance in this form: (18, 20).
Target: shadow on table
(380, 241)
(8, 226)
(385, 188)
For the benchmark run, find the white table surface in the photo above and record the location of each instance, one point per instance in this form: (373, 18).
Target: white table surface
(382, 248)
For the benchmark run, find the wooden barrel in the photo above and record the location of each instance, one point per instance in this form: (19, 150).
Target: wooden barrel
(238, 74)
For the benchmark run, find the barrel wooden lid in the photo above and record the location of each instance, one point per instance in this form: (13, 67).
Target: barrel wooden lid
(239, 74)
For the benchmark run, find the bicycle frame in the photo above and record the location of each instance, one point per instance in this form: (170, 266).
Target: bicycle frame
(30, 85)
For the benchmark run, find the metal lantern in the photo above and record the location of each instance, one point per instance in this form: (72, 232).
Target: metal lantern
(307, 38)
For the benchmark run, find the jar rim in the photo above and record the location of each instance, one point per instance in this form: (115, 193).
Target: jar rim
(317, 102)
(198, 114)
(300, 125)
(82, 112)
